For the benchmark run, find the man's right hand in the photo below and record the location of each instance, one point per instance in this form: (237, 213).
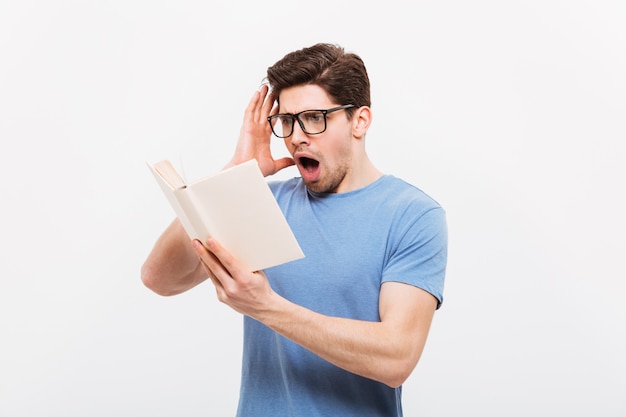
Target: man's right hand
(255, 135)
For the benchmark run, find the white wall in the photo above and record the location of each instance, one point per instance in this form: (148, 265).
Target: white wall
(511, 114)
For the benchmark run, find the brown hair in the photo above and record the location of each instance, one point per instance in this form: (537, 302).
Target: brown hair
(341, 74)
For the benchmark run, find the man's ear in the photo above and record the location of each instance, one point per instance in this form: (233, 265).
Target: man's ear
(362, 119)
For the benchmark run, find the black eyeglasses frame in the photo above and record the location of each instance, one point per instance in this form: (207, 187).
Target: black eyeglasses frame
(296, 116)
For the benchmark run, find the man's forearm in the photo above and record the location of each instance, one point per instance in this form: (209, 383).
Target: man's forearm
(386, 351)
(172, 266)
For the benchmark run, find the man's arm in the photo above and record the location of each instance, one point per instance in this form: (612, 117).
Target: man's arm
(172, 266)
(386, 351)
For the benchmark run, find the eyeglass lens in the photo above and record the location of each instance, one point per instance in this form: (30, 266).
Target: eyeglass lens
(312, 122)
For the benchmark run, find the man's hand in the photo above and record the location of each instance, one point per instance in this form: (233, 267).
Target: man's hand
(386, 351)
(246, 292)
(255, 135)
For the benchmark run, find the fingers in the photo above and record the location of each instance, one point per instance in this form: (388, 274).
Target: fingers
(216, 282)
(253, 103)
(209, 261)
(245, 292)
(217, 260)
(268, 103)
(260, 105)
(283, 163)
(220, 256)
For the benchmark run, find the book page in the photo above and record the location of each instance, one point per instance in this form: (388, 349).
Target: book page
(237, 208)
(183, 209)
(245, 217)
(167, 171)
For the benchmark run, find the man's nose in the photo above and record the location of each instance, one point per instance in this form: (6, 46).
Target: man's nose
(298, 136)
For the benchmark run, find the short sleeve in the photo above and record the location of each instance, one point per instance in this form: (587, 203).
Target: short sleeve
(419, 256)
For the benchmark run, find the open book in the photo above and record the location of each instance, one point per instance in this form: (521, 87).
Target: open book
(237, 208)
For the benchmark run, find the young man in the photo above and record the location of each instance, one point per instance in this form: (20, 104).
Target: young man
(338, 332)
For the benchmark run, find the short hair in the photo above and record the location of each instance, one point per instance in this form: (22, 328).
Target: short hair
(341, 74)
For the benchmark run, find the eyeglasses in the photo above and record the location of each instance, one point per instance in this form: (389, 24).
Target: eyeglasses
(312, 122)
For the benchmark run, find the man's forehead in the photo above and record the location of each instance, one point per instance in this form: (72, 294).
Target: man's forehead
(303, 97)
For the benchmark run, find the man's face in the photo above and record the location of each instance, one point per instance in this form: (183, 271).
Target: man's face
(324, 160)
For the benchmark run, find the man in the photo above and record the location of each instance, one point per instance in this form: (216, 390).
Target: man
(338, 332)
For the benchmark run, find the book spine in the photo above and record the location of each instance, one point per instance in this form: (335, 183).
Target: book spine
(194, 222)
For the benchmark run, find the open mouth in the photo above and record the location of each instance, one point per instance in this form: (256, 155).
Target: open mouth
(308, 164)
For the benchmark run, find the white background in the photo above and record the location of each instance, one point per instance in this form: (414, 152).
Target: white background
(510, 114)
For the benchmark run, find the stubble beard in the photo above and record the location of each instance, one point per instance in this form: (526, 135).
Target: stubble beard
(330, 180)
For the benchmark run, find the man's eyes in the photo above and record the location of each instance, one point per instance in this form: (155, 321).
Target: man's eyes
(314, 116)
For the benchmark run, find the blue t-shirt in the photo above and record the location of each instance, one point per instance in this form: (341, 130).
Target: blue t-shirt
(353, 242)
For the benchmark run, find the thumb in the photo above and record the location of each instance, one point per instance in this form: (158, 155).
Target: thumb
(283, 163)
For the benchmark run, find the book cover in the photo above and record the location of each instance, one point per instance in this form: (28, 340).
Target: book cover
(237, 208)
